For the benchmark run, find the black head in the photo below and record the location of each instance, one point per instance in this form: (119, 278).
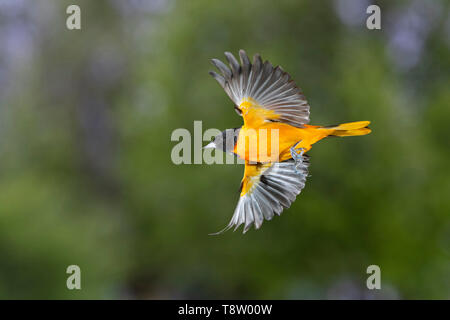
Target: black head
(225, 141)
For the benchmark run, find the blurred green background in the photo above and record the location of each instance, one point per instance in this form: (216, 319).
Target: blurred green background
(86, 176)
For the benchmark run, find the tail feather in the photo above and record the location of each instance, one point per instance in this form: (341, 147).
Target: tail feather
(358, 128)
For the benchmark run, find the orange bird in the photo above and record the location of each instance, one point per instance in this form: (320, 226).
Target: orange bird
(273, 139)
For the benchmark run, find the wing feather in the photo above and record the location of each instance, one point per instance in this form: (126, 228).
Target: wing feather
(272, 188)
(265, 87)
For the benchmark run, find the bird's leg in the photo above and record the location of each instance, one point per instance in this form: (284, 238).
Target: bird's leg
(297, 155)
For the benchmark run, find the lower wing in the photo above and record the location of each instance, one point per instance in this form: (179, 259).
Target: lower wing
(266, 190)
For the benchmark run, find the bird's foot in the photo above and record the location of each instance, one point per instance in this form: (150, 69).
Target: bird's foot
(297, 155)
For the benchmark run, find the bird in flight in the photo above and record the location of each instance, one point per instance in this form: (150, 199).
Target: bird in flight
(274, 138)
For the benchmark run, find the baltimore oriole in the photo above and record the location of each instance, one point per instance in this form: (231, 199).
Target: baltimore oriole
(270, 102)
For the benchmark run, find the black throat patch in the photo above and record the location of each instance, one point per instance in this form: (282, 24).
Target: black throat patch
(229, 138)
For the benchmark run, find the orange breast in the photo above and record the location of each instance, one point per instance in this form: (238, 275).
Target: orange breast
(272, 141)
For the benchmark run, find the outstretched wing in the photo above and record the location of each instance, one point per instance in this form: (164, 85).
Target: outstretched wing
(261, 92)
(266, 190)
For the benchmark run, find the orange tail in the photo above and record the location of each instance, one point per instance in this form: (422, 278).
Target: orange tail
(358, 128)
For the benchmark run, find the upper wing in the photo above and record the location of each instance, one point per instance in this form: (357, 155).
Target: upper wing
(261, 92)
(268, 189)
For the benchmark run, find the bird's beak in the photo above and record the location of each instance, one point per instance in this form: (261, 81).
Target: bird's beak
(211, 145)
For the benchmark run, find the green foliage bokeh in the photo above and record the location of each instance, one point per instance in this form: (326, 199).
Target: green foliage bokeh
(86, 176)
